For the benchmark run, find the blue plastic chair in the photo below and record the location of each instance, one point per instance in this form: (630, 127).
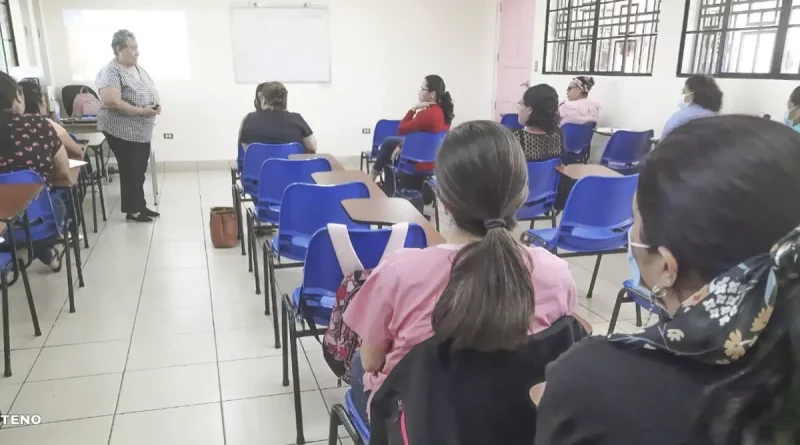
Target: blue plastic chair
(595, 220)
(346, 415)
(254, 157)
(305, 208)
(578, 141)
(383, 129)
(542, 191)
(632, 294)
(321, 279)
(511, 121)
(625, 150)
(418, 153)
(276, 175)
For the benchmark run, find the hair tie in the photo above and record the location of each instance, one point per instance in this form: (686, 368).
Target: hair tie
(495, 224)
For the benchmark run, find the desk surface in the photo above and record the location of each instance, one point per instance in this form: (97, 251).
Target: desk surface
(608, 131)
(14, 199)
(345, 176)
(70, 180)
(386, 211)
(578, 171)
(335, 165)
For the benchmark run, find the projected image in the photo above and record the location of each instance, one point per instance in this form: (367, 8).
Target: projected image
(162, 37)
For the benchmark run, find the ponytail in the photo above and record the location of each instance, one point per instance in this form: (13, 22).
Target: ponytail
(488, 302)
(446, 104)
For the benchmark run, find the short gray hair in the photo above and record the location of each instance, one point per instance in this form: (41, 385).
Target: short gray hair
(120, 40)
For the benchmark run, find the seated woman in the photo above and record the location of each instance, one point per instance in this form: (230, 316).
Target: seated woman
(541, 138)
(29, 142)
(724, 370)
(578, 108)
(700, 97)
(480, 288)
(792, 118)
(36, 104)
(432, 114)
(273, 124)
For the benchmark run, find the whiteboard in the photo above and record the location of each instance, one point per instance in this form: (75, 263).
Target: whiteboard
(281, 44)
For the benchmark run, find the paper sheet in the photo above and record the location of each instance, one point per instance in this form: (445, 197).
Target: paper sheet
(75, 163)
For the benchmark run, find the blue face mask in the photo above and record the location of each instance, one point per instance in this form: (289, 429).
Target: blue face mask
(788, 121)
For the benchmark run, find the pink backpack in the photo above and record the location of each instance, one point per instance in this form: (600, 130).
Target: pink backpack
(340, 342)
(85, 104)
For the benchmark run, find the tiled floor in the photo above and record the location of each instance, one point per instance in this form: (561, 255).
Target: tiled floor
(170, 345)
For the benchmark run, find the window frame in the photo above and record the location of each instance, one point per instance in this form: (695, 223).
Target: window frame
(594, 42)
(777, 52)
(5, 4)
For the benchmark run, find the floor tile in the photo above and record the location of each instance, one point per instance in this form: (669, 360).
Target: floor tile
(67, 399)
(189, 425)
(260, 377)
(237, 344)
(271, 420)
(93, 431)
(8, 392)
(60, 362)
(171, 255)
(240, 315)
(180, 320)
(148, 352)
(169, 387)
(21, 363)
(85, 328)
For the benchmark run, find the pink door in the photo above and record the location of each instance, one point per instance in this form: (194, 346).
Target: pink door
(514, 54)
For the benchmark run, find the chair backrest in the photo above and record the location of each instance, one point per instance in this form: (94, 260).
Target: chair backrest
(257, 153)
(510, 121)
(277, 174)
(627, 148)
(383, 129)
(306, 208)
(68, 94)
(600, 202)
(543, 179)
(40, 210)
(322, 270)
(578, 137)
(239, 157)
(421, 146)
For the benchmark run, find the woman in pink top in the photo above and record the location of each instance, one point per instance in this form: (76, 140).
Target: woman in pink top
(485, 291)
(578, 108)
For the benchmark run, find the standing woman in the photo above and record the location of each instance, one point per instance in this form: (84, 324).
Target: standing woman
(126, 118)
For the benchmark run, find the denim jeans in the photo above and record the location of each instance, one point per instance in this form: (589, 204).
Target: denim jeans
(357, 387)
(43, 250)
(385, 153)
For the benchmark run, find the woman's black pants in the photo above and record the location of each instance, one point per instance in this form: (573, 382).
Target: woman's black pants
(132, 161)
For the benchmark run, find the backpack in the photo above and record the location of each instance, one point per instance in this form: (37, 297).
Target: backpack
(340, 342)
(85, 104)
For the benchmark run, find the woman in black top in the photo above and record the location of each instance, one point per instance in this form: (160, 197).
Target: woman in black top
(715, 239)
(273, 124)
(538, 112)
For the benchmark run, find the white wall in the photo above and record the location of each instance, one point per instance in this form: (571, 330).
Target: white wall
(646, 102)
(381, 50)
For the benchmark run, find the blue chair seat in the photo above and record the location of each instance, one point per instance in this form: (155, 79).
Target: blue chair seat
(250, 187)
(580, 239)
(319, 301)
(269, 214)
(358, 422)
(293, 248)
(5, 259)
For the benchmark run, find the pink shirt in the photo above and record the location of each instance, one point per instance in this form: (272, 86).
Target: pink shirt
(579, 111)
(393, 309)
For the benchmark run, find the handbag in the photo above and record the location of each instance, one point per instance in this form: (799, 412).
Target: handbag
(224, 227)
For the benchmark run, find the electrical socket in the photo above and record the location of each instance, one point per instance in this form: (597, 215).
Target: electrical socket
(169, 136)
(366, 130)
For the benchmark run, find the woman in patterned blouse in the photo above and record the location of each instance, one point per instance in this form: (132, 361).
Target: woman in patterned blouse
(538, 111)
(29, 142)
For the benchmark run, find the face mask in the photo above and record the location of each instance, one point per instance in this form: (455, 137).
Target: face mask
(682, 101)
(636, 274)
(787, 117)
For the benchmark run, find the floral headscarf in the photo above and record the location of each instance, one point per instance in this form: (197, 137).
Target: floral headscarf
(724, 319)
(580, 84)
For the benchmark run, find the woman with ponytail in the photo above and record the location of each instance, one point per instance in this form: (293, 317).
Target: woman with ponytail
(432, 114)
(719, 249)
(483, 290)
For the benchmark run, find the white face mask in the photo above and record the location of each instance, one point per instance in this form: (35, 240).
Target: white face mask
(682, 101)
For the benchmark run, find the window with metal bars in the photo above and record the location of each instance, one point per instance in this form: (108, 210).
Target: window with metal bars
(8, 49)
(609, 37)
(741, 39)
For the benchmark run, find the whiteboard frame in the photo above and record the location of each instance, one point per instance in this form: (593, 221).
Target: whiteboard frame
(285, 6)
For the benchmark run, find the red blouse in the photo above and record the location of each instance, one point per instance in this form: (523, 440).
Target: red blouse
(430, 120)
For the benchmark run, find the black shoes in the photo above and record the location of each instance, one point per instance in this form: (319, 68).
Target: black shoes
(150, 213)
(138, 217)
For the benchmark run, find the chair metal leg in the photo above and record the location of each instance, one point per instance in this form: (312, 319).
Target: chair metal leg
(102, 199)
(82, 217)
(553, 218)
(617, 305)
(94, 205)
(239, 234)
(70, 284)
(284, 335)
(254, 243)
(298, 406)
(72, 225)
(638, 316)
(237, 206)
(594, 275)
(31, 306)
(361, 165)
(249, 225)
(6, 324)
(273, 286)
(333, 427)
(265, 254)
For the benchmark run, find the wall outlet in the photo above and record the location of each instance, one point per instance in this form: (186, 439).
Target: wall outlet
(169, 136)
(536, 66)
(366, 130)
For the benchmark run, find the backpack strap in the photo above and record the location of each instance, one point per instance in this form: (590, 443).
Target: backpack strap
(396, 240)
(345, 254)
